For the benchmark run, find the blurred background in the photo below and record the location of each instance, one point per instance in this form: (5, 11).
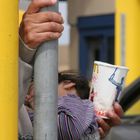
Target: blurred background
(108, 31)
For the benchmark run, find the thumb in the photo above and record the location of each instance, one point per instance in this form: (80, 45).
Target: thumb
(36, 5)
(118, 109)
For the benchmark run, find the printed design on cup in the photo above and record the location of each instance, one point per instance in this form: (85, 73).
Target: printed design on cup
(96, 68)
(96, 71)
(101, 113)
(118, 85)
(94, 78)
(92, 94)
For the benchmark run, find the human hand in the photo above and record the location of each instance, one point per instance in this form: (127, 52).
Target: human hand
(29, 99)
(37, 27)
(114, 119)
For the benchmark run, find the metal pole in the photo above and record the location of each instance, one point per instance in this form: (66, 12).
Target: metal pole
(9, 70)
(46, 81)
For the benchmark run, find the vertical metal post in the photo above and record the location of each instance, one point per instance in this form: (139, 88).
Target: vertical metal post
(46, 81)
(8, 70)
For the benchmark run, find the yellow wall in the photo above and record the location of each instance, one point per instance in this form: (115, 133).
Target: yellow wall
(9, 70)
(131, 11)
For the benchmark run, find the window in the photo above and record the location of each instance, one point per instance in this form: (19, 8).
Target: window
(96, 41)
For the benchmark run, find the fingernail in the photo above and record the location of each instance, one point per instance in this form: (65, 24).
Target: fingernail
(110, 114)
(54, 1)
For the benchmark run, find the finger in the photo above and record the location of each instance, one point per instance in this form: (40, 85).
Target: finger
(114, 119)
(34, 41)
(31, 100)
(104, 125)
(27, 97)
(118, 109)
(36, 5)
(47, 36)
(32, 94)
(45, 17)
(32, 105)
(48, 27)
(31, 91)
(101, 132)
(42, 17)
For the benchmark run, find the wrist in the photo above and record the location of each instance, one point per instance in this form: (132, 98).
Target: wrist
(25, 52)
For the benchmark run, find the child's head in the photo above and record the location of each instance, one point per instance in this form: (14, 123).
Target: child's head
(68, 82)
(76, 81)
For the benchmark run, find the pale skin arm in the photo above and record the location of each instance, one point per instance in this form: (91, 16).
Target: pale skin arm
(37, 27)
(114, 120)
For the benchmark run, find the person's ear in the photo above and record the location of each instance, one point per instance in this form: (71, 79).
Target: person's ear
(69, 85)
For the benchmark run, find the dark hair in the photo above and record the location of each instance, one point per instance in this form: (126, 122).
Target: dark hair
(82, 84)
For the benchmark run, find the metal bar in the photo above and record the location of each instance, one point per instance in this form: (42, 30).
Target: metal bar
(46, 81)
(9, 70)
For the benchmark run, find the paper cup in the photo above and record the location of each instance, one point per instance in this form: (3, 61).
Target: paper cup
(106, 86)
